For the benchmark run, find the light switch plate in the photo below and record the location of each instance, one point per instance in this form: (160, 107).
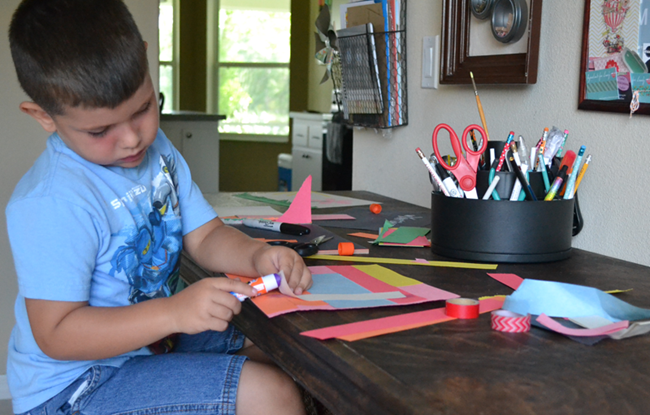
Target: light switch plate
(430, 61)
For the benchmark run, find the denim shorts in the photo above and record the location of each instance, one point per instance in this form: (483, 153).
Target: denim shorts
(200, 376)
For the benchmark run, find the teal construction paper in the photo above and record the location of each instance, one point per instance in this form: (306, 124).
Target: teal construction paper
(556, 299)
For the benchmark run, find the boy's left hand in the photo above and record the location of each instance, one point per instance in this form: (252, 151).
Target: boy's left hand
(271, 259)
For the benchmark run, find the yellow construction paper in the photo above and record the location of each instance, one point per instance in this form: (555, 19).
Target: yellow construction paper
(388, 276)
(376, 260)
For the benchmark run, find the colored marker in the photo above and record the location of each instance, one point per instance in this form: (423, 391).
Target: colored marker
(570, 186)
(432, 172)
(582, 172)
(556, 183)
(525, 185)
(448, 182)
(270, 225)
(263, 285)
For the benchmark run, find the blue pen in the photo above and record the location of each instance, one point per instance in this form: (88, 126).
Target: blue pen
(547, 184)
(570, 186)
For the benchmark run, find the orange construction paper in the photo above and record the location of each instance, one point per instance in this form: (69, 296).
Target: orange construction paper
(300, 209)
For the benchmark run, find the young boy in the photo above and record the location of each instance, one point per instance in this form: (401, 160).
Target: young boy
(96, 229)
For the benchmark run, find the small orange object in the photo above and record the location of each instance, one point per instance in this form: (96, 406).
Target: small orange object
(346, 248)
(375, 208)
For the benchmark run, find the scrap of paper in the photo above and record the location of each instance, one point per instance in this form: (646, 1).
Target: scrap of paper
(342, 283)
(371, 328)
(557, 299)
(300, 209)
(402, 235)
(377, 260)
(636, 328)
(511, 280)
(548, 322)
(364, 235)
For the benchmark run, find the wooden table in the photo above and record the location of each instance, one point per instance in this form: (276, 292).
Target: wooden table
(462, 366)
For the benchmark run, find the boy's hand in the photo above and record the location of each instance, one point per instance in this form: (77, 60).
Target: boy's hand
(207, 305)
(271, 259)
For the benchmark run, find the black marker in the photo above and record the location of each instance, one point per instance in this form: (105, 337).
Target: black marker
(270, 225)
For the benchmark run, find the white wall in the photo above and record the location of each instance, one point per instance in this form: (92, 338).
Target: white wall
(614, 193)
(22, 140)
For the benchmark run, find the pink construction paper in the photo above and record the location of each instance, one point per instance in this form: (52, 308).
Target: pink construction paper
(421, 261)
(511, 280)
(426, 291)
(333, 216)
(300, 209)
(370, 328)
(599, 331)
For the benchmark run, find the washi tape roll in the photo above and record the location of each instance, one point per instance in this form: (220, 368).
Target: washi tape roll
(509, 322)
(346, 248)
(463, 308)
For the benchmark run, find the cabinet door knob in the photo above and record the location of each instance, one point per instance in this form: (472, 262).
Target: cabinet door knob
(306, 156)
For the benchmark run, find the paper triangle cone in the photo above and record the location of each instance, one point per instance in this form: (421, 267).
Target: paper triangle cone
(300, 209)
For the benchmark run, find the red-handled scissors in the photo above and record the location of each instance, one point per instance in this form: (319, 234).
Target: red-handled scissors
(465, 167)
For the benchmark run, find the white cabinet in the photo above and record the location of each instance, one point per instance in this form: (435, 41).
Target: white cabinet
(307, 133)
(196, 136)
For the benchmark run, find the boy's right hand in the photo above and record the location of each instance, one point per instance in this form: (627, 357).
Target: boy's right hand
(207, 305)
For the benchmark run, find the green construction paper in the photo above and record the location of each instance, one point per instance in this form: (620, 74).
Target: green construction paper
(401, 235)
(248, 196)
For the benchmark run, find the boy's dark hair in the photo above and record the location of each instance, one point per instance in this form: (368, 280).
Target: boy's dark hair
(71, 53)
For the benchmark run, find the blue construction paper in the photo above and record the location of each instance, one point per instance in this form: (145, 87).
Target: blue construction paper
(337, 284)
(556, 299)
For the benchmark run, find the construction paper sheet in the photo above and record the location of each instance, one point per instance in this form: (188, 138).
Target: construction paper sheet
(351, 297)
(240, 211)
(318, 200)
(346, 282)
(511, 280)
(599, 331)
(239, 219)
(299, 211)
(637, 328)
(372, 236)
(368, 221)
(329, 247)
(557, 299)
(402, 234)
(393, 324)
(377, 260)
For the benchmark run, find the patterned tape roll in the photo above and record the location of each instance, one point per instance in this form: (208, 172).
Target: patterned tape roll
(509, 322)
(463, 308)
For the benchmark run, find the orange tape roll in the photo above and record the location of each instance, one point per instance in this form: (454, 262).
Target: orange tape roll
(375, 208)
(462, 308)
(346, 248)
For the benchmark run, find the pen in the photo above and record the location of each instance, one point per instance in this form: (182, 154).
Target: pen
(495, 194)
(262, 285)
(523, 150)
(547, 184)
(524, 184)
(432, 172)
(582, 172)
(270, 225)
(502, 157)
(570, 186)
(516, 189)
(556, 183)
(474, 143)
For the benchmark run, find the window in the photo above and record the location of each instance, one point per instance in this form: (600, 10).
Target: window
(168, 53)
(248, 72)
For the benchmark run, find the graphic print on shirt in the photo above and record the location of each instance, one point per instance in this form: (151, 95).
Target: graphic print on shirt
(149, 257)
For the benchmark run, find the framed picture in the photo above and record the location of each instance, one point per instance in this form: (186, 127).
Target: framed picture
(496, 40)
(615, 54)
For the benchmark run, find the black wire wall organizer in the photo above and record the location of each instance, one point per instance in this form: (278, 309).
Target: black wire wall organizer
(369, 71)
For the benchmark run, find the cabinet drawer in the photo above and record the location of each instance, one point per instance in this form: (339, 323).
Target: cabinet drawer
(316, 135)
(300, 134)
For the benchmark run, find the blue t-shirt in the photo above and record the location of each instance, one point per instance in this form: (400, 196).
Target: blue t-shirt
(84, 232)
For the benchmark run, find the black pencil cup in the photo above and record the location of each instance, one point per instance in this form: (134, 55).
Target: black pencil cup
(501, 231)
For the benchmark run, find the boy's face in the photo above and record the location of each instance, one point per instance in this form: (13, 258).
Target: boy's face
(111, 137)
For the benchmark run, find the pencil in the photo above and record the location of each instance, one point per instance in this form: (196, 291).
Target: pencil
(582, 173)
(480, 108)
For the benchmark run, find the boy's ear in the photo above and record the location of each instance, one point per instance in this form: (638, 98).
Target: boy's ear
(35, 111)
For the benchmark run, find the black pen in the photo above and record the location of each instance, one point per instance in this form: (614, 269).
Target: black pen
(524, 183)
